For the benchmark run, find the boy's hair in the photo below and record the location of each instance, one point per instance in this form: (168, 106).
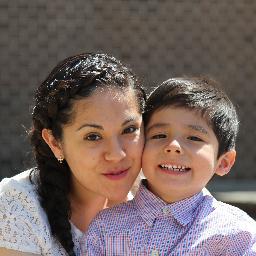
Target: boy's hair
(201, 94)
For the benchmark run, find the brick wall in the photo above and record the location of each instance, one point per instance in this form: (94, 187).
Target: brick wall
(158, 38)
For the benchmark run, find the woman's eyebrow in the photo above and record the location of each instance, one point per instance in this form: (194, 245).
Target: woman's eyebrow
(198, 128)
(90, 125)
(131, 119)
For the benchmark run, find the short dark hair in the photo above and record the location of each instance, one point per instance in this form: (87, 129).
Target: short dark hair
(201, 94)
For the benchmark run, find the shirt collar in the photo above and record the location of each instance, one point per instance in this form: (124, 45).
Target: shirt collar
(151, 207)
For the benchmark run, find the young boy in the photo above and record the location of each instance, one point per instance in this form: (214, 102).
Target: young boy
(191, 128)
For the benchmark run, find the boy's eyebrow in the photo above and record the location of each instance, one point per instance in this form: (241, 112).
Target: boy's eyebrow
(157, 125)
(198, 128)
(191, 126)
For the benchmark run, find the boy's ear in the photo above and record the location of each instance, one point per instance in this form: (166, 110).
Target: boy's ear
(52, 142)
(225, 162)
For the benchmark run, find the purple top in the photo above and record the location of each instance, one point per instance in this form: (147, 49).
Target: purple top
(199, 225)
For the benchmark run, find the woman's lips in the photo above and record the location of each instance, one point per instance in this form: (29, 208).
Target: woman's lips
(116, 175)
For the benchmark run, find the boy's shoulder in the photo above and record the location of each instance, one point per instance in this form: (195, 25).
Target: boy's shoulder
(233, 212)
(226, 218)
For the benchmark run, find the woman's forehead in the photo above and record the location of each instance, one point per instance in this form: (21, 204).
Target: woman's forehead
(102, 104)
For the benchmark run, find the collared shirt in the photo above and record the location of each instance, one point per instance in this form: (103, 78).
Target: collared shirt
(199, 225)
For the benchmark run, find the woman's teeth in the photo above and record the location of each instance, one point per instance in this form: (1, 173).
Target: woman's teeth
(174, 168)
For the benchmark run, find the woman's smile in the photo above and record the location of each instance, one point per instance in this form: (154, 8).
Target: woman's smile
(116, 174)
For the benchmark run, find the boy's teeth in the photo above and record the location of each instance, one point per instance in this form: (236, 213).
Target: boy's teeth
(176, 168)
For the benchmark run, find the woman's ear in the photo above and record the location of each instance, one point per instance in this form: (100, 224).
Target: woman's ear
(54, 144)
(225, 162)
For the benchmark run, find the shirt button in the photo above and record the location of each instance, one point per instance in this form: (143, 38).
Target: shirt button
(166, 210)
(154, 253)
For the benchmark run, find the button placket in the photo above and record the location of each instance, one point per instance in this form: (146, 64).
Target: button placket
(154, 253)
(165, 210)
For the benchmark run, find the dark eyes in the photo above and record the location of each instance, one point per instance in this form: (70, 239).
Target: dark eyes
(163, 136)
(158, 136)
(130, 129)
(194, 138)
(96, 137)
(93, 137)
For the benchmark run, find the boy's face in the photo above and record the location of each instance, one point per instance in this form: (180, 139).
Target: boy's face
(180, 154)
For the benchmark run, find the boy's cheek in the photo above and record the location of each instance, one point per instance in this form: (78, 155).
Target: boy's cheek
(147, 152)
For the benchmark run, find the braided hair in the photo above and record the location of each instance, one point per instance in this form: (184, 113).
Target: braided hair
(72, 79)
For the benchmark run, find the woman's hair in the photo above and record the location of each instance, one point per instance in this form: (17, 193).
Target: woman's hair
(72, 79)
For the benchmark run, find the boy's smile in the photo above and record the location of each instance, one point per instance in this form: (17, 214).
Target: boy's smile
(174, 168)
(180, 154)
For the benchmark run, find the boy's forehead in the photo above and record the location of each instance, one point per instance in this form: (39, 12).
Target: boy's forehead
(160, 117)
(193, 112)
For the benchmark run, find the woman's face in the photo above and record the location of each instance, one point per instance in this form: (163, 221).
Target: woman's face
(103, 144)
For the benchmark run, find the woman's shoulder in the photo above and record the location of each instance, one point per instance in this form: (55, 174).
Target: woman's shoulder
(18, 182)
(23, 220)
(20, 189)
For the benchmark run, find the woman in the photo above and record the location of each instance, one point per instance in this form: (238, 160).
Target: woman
(87, 137)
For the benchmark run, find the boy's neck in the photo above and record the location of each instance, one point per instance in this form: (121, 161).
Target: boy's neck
(166, 197)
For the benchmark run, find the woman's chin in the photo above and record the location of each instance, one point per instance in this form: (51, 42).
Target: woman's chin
(117, 200)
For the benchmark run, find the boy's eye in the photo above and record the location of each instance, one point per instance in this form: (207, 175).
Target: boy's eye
(93, 137)
(130, 129)
(194, 138)
(158, 136)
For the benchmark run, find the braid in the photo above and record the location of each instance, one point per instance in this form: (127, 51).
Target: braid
(53, 187)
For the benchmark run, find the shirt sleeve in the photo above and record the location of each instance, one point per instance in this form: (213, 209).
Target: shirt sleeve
(253, 249)
(243, 242)
(21, 226)
(93, 240)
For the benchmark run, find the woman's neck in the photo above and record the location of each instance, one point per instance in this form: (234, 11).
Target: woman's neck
(84, 212)
(86, 204)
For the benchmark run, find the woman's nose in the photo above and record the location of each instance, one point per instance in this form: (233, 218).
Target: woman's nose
(173, 147)
(115, 151)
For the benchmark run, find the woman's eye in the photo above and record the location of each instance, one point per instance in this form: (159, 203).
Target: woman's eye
(194, 138)
(93, 137)
(158, 136)
(130, 129)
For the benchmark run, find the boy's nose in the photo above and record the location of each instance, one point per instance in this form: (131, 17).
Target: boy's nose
(173, 147)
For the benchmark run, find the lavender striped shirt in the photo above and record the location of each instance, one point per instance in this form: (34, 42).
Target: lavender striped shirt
(199, 225)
